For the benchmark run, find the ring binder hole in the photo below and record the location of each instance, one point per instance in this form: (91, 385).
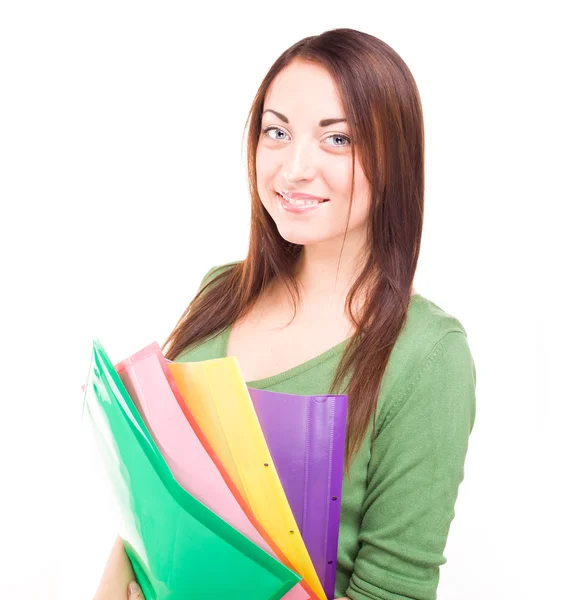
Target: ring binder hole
(329, 562)
(266, 464)
(334, 497)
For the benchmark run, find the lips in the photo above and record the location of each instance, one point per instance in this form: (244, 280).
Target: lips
(300, 196)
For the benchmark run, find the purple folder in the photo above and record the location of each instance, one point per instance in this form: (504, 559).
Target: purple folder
(306, 438)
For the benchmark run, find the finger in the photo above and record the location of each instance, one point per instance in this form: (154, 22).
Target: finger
(134, 591)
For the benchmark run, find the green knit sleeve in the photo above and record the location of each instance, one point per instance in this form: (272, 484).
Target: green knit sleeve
(416, 467)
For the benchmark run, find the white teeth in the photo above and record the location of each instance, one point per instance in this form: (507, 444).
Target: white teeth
(299, 202)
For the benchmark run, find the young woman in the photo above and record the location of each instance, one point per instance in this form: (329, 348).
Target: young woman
(323, 303)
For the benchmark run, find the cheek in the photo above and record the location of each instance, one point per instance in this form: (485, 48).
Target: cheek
(361, 198)
(265, 162)
(340, 177)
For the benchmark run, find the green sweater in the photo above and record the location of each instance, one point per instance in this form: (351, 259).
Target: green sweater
(398, 503)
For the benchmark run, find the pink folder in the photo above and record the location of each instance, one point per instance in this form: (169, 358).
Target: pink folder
(186, 451)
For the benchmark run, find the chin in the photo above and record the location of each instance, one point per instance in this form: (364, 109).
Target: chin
(301, 238)
(302, 234)
(293, 238)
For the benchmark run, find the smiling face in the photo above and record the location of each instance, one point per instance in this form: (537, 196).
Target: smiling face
(303, 150)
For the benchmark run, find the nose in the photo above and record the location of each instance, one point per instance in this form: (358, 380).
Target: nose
(299, 163)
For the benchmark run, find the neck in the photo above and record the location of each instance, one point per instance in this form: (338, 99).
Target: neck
(329, 269)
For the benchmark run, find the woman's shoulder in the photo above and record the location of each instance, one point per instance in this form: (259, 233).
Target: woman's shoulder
(217, 270)
(428, 326)
(430, 336)
(427, 322)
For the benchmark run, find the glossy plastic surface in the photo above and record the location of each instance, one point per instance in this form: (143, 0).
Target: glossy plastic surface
(306, 438)
(186, 451)
(217, 396)
(178, 548)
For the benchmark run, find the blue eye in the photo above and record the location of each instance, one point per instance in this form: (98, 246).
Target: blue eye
(334, 135)
(339, 135)
(267, 129)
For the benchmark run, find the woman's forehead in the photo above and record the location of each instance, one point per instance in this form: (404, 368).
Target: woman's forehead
(304, 90)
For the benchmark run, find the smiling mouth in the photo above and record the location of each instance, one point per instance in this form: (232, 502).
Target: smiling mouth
(302, 203)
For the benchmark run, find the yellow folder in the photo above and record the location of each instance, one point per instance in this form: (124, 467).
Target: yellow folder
(217, 396)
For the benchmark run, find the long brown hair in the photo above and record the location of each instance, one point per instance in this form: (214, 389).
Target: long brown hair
(384, 113)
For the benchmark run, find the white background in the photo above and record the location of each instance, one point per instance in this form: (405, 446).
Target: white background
(122, 182)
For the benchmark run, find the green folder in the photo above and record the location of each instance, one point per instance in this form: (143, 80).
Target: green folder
(178, 548)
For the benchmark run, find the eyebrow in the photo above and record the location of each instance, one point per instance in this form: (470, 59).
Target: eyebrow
(323, 123)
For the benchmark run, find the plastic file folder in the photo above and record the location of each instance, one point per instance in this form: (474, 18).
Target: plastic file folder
(219, 400)
(185, 449)
(306, 438)
(178, 548)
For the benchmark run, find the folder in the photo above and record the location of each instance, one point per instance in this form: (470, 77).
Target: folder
(178, 548)
(306, 438)
(186, 451)
(218, 398)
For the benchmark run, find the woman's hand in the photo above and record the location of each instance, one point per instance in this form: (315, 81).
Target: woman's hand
(134, 591)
